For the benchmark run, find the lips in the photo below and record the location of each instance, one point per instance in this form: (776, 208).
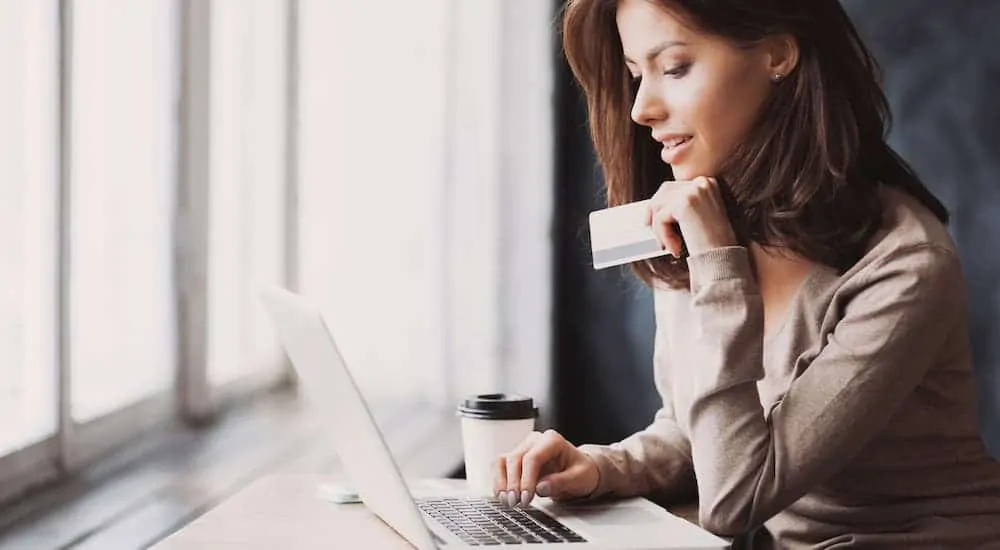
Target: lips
(676, 142)
(673, 146)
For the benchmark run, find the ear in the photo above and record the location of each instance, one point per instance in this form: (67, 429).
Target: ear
(782, 55)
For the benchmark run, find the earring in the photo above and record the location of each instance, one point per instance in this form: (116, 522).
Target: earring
(777, 77)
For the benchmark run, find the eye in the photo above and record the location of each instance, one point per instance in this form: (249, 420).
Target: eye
(678, 70)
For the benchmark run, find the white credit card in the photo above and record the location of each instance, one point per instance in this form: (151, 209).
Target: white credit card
(619, 235)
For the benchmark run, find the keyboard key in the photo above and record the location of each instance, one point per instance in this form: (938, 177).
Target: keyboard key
(487, 522)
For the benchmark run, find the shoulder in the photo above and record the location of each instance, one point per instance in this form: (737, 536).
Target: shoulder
(908, 224)
(910, 237)
(911, 253)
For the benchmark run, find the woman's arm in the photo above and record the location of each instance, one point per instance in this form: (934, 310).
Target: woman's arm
(749, 468)
(658, 458)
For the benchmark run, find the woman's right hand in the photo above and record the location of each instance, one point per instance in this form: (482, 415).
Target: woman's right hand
(547, 465)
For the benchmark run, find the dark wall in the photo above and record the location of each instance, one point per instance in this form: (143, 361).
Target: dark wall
(941, 66)
(942, 76)
(604, 319)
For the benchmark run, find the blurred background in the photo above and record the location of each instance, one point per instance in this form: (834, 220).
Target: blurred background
(420, 170)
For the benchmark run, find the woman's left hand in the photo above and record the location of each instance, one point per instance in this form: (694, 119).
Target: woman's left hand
(695, 206)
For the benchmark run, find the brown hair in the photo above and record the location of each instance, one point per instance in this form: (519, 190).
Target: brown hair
(806, 178)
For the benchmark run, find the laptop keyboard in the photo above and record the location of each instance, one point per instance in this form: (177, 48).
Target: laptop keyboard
(486, 522)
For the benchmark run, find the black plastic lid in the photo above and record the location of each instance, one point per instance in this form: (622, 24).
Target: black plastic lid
(498, 406)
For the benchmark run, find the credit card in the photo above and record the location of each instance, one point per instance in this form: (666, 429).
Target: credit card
(619, 235)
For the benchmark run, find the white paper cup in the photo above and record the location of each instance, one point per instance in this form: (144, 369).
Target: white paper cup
(492, 424)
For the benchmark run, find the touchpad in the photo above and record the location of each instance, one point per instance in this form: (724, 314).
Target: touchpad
(617, 516)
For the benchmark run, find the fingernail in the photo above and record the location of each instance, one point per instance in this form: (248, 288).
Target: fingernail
(542, 490)
(512, 498)
(525, 498)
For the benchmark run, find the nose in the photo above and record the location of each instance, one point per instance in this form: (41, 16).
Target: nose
(648, 107)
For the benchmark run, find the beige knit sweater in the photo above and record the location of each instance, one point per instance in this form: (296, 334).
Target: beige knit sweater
(853, 426)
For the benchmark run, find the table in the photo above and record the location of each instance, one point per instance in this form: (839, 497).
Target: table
(284, 511)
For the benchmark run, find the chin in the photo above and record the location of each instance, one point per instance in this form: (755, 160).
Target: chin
(689, 172)
(683, 172)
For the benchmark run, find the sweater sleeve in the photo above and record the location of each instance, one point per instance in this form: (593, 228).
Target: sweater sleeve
(749, 467)
(658, 458)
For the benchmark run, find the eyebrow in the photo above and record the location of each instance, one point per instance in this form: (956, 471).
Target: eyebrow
(658, 49)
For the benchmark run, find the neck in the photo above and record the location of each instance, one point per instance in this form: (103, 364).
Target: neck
(777, 265)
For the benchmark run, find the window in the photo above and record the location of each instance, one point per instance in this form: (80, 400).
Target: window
(98, 250)
(425, 164)
(373, 166)
(166, 159)
(247, 196)
(122, 180)
(29, 182)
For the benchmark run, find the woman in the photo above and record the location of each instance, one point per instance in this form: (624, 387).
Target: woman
(811, 346)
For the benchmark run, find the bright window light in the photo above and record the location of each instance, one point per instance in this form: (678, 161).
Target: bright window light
(373, 143)
(29, 183)
(123, 180)
(247, 194)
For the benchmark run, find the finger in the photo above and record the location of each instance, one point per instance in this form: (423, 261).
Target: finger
(500, 477)
(659, 199)
(533, 463)
(527, 443)
(711, 187)
(664, 190)
(657, 204)
(514, 494)
(708, 188)
(513, 478)
(705, 190)
(514, 462)
(666, 232)
(559, 484)
(654, 208)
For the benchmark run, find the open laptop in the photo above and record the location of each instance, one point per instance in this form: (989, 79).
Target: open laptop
(447, 518)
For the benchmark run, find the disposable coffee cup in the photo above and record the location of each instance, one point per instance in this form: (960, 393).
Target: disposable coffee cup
(492, 424)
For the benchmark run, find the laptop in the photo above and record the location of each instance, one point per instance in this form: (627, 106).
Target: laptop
(430, 516)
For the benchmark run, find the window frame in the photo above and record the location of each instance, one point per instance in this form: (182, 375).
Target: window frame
(198, 400)
(29, 466)
(519, 350)
(83, 443)
(37, 462)
(190, 400)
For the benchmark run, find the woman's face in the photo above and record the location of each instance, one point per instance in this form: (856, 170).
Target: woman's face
(698, 93)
